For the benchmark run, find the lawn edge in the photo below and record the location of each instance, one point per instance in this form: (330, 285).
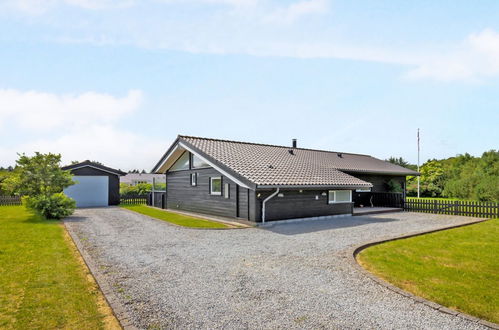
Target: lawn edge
(229, 226)
(352, 253)
(112, 300)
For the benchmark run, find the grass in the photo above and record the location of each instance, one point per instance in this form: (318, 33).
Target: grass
(43, 283)
(457, 268)
(175, 218)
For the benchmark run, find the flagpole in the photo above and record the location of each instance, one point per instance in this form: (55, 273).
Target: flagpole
(418, 164)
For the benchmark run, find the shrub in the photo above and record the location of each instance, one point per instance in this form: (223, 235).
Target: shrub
(139, 189)
(394, 186)
(55, 206)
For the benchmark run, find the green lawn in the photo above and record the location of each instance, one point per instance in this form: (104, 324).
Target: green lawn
(175, 218)
(458, 268)
(43, 284)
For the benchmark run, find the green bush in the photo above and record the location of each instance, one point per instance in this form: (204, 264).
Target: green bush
(55, 206)
(139, 189)
(394, 186)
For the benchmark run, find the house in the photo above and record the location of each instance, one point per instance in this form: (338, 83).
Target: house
(260, 182)
(96, 185)
(136, 178)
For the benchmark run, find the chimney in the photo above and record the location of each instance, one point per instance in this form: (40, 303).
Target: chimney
(294, 143)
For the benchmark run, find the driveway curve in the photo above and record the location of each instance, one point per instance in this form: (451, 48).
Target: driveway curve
(291, 275)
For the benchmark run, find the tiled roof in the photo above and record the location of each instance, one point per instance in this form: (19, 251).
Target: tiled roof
(270, 165)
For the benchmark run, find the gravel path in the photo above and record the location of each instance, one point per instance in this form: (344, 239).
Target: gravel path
(286, 276)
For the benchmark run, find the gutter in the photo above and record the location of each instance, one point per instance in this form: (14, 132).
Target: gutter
(265, 201)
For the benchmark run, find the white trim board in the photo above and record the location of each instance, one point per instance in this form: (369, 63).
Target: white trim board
(97, 168)
(214, 166)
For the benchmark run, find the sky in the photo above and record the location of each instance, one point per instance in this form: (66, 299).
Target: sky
(117, 81)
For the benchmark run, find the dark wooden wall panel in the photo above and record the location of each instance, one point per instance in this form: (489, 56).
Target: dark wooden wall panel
(182, 196)
(379, 182)
(243, 203)
(114, 182)
(297, 204)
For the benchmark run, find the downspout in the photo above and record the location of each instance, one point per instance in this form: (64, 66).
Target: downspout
(265, 201)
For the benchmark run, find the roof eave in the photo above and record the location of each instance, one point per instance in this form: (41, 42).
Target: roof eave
(412, 173)
(314, 186)
(93, 165)
(165, 155)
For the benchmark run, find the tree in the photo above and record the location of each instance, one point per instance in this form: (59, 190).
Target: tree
(4, 174)
(41, 181)
(462, 176)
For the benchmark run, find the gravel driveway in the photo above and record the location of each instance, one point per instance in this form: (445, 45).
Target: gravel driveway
(286, 276)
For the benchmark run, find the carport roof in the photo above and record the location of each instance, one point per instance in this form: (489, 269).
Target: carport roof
(88, 163)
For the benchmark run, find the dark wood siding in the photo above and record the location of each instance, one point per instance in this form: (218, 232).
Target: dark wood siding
(253, 206)
(114, 181)
(296, 204)
(243, 201)
(380, 182)
(182, 196)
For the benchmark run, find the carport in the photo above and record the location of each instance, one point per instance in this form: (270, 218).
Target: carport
(96, 185)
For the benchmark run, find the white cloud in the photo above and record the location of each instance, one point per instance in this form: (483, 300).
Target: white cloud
(100, 4)
(78, 126)
(45, 111)
(297, 10)
(258, 28)
(104, 143)
(477, 57)
(37, 7)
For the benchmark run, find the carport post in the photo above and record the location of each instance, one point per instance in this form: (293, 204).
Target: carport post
(152, 191)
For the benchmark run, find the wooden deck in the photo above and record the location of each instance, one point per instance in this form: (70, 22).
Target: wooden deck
(374, 210)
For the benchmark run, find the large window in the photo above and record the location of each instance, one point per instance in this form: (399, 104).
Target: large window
(339, 196)
(198, 162)
(182, 163)
(216, 186)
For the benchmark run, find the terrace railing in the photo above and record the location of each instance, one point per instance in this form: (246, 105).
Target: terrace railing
(387, 199)
(134, 199)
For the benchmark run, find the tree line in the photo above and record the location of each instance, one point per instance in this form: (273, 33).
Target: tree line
(462, 176)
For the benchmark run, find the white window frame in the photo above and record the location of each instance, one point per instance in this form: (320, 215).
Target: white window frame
(226, 190)
(216, 193)
(334, 195)
(194, 179)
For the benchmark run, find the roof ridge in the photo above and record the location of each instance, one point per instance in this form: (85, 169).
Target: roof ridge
(270, 145)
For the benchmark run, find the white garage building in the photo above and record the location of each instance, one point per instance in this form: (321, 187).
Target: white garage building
(97, 185)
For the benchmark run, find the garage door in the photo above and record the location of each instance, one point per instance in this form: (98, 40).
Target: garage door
(89, 191)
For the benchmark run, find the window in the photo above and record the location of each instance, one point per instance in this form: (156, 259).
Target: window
(226, 190)
(216, 186)
(197, 162)
(339, 196)
(182, 163)
(194, 179)
(363, 190)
